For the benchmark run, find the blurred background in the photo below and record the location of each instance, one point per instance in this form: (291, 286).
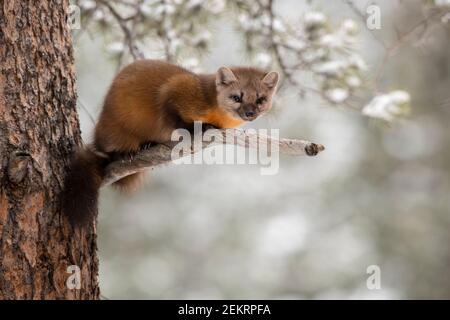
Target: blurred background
(378, 195)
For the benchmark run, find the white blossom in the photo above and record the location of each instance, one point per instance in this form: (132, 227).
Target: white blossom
(146, 10)
(194, 3)
(157, 12)
(310, 56)
(442, 3)
(98, 15)
(331, 41)
(400, 97)
(88, 4)
(190, 63)
(358, 62)
(216, 6)
(116, 47)
(169, 8)
(353, 81)
(278, 25)
(174, 45)
(350, 27)
(446, 18)
(265, 20)
(388, 106)
(334, 67)
(171, 34)
(246, 22)
(263, 60)
(315, 18)
(337, 95)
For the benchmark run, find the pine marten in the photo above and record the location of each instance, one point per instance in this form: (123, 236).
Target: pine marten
(149, 99)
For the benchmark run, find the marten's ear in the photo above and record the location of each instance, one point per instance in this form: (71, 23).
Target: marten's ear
(271, 79)
(225, 76)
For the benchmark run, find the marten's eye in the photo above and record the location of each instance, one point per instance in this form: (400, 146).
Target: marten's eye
(236, 98)
(261, 100)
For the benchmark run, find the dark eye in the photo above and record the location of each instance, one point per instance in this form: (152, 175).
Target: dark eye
(236, 98)
(261, 100)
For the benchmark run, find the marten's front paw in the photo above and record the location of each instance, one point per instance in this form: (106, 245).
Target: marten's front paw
(130, 155)
(146, 145)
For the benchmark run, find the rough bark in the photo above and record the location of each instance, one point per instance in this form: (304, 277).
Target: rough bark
(38, 132)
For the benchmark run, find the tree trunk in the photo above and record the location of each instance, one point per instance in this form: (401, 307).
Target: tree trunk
(39, 129)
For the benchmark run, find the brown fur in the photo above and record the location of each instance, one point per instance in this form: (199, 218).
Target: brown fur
(83, 180)
(149, 99)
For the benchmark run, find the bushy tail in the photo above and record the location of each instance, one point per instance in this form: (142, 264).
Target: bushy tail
(81, 187)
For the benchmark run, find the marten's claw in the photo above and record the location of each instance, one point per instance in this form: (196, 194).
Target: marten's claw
(146, 146)
(130, 156)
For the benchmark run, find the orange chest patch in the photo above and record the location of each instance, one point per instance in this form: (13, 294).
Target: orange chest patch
(221, 119)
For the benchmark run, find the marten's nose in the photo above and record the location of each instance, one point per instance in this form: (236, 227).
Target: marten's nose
(250, 114)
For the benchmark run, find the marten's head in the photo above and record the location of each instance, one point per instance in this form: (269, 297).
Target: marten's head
(245, 92)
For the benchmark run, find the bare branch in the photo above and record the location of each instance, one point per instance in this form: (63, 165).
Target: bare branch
(127, 32)
(161, 154)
